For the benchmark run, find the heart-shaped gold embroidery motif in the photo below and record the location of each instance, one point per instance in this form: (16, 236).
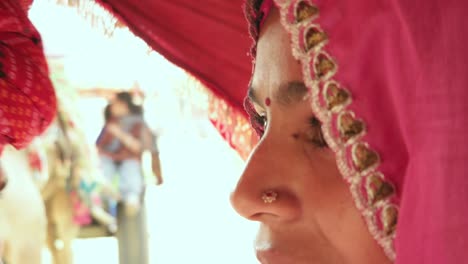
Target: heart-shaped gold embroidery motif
(364, 157)
(323, 65)
(305, 11)
(314, 37)
(389, 219)
(378, 189)
(349, 126)
(335, 96)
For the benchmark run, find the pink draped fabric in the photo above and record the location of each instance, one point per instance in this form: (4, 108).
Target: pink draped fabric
(406, 64)
(427, 80)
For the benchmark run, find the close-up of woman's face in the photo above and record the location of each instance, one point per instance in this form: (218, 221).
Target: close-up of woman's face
(291, 184)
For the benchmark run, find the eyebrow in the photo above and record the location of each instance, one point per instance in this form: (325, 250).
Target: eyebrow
(287, 93)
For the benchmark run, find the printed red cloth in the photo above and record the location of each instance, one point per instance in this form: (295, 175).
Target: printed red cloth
(27, 98)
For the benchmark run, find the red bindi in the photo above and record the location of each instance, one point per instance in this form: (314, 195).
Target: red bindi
(268, 101)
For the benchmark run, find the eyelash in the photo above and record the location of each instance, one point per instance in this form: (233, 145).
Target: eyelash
(263, 121)
(259, 123)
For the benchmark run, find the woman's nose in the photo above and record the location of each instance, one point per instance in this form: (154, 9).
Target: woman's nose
(265, 191)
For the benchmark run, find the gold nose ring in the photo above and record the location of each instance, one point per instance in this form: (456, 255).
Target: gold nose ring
(269, 196)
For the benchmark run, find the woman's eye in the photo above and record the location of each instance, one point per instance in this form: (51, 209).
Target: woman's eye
(258, 122)
(263, 121)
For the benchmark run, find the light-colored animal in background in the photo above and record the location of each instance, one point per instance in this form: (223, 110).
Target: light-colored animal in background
(23, 220)
(61, 228)
(69, 195)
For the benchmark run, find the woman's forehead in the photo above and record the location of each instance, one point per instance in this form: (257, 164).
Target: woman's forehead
(115, 100)
(274, 65)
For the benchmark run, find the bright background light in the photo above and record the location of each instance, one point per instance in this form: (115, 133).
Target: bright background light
(190, 218)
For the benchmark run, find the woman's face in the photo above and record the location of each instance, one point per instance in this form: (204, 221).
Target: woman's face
(313, 219)
(119, 108)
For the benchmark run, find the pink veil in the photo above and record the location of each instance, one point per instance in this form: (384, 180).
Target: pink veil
(389, 82)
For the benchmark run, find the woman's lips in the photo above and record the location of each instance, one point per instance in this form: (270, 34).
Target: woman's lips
(268, 253)
(273, 248)
(273, 256)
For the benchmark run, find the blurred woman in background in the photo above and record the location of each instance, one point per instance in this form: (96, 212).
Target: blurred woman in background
(120, 146)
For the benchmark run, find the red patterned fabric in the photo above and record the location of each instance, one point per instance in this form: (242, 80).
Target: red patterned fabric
(27, 98)
(209, 40)
(25, 4)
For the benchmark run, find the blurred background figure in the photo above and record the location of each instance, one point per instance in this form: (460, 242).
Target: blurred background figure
(120, 147)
